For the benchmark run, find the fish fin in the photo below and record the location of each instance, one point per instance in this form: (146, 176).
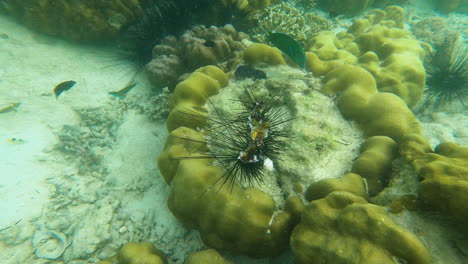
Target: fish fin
(118, 94)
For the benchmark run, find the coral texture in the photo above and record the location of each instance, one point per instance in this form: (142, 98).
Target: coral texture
(434, 30)
(344, 228)
(79, 20)
(260, 53)
(444, 183)
(207, 256)
(217, 214)
(285, 18)
(137, 253)
(198, 47)
(349, 182)
(375, 162)
(381, 47)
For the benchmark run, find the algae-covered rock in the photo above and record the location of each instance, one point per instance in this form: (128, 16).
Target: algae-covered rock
(343, 228)
(78, 20)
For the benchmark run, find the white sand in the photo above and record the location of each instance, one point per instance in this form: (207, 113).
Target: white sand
(95, 213)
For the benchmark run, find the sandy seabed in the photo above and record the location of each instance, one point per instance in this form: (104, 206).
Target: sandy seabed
(80, 179)
(49, 213)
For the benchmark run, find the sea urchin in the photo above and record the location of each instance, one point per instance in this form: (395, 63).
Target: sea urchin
(447, 74)
(245, 141)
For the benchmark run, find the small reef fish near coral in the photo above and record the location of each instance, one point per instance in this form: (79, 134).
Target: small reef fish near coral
(124, 91)
(289, 46)
(62, 87)
(9, 107)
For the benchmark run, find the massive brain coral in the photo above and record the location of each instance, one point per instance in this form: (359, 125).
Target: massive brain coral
(255, 220)
(339, 225)
(379, 44)
(79, 20)
(199, 46)
(444, 184)
(343, 228)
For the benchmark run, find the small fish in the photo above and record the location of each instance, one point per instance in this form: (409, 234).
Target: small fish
(123, 92)
(290, 46)
(15, 140)
(4, 36)
(10, 107)
(209, 43)
(62, 87)
(246, 71)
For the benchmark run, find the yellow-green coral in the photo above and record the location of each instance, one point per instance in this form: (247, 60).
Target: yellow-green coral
(192, 94)
(379, 45)
(218, 213)
(257, 53)
(137, 253)
(375, 162)
(445, 180)
(349, 182)
(380, 114)
(207, 256)
(343, 228)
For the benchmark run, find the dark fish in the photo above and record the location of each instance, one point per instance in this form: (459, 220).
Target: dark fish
(209, 43)
(123, 92)
(62, 87)
(333, 13)
(246, 71)
(10, 107)
(4, 36)
(290, 46)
